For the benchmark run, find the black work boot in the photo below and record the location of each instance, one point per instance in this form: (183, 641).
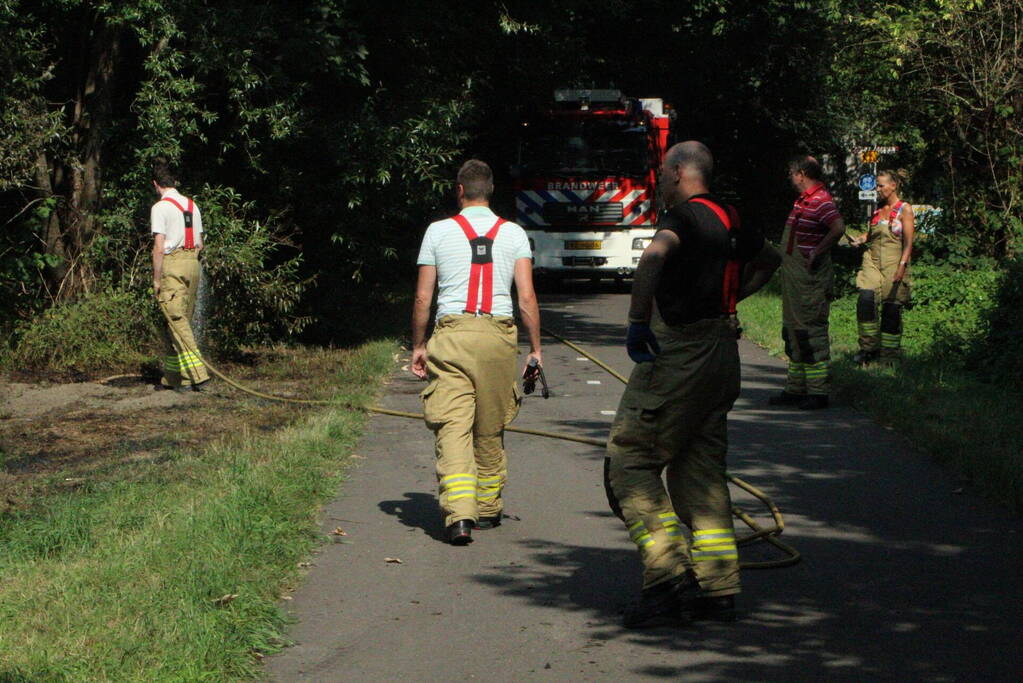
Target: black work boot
(460, 533)
(814, 402)
(786, 398)
(488, 522)
(713, 608)
(201, 386)
(663, 604)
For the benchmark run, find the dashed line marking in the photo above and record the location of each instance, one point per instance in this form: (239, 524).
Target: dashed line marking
(582, 359)
(593, 381)
(607, 412)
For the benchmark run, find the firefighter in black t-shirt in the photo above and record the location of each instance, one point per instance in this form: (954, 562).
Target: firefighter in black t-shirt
(673, 413)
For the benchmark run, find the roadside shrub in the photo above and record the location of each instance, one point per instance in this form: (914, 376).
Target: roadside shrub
(253, 285)
(999, 354)
(108, 329)
(952, 307)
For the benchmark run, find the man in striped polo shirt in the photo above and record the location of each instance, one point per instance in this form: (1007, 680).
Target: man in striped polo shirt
(472, 258)
(807, 282)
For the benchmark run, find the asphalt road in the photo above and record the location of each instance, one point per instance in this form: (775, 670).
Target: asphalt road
(902, 578)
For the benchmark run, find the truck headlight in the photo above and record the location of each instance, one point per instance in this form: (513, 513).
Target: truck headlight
(640, 243)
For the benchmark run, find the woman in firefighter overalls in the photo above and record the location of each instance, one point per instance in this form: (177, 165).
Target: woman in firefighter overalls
(883, 278)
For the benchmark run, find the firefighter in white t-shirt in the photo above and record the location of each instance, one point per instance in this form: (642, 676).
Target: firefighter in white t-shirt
(176, 225)
(473, 259)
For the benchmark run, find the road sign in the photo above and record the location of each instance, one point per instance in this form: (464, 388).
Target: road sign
(869, 156)
(868, 195)
(868, 181)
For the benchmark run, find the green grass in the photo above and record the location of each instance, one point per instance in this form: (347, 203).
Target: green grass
(120, 578)
(972, 426)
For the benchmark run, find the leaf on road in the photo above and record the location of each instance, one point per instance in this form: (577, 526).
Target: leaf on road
(338, 531)
(225, 599)
(393, 560)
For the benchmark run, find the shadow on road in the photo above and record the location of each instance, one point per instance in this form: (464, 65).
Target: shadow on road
(418, 510)
(901, 579)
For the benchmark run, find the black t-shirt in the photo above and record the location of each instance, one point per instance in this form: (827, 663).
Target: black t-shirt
(692, 281)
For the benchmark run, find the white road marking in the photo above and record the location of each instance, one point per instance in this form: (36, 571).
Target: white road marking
(581, 358)
(607, 412)
(593, 381)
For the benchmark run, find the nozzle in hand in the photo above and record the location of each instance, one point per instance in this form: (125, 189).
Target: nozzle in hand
(534, 372)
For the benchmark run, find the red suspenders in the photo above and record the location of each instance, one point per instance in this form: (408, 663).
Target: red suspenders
(187, 213)
(896, 210)
(482, 265)
(730, 285)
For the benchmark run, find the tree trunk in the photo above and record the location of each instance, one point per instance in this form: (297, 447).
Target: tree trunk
(76, 181)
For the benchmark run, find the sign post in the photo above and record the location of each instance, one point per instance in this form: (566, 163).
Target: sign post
(867, 182)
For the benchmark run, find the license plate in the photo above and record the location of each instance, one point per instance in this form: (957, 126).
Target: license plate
(583, 244)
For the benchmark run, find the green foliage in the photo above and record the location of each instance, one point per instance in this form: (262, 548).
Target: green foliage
(998, 355)
(102, 330)
(139, 556)
(951, 308)
(253, 285)
(320, 112)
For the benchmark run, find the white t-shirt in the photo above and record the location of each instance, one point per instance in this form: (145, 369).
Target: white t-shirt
(446, 247)
(167, 220)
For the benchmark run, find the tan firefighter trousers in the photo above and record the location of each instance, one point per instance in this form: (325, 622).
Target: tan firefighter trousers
(182, 363)
(472, 395)
(806, 304)
(877, 289)
(672, 420)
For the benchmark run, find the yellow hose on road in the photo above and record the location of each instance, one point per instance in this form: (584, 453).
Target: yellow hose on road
(768, 534)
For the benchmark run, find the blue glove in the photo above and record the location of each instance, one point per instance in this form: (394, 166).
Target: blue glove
(641, 343)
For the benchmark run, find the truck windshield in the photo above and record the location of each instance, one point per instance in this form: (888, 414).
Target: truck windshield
(584, 147)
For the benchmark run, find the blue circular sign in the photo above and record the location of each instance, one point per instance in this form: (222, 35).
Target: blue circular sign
(868, 182)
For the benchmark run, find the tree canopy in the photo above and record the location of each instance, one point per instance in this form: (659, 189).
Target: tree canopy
(336, 126)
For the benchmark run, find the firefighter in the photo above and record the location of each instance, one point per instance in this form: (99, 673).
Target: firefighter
(672, 417)
(883, 278)
(472, 258)
(176, 224)
(807, 279)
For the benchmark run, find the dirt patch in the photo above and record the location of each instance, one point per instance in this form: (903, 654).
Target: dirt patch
(56, 436)
(20, 401)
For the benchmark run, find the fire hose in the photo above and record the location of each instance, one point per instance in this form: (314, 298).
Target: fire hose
(768, 534)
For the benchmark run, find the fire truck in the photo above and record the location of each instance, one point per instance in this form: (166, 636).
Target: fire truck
(585, 182)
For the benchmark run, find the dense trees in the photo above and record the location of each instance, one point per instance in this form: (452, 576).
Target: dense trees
(338, 122)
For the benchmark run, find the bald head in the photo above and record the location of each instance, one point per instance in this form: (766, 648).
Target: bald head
(691, 156)
(686, 171)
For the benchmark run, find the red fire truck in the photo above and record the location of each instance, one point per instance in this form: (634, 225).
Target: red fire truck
(585, 182)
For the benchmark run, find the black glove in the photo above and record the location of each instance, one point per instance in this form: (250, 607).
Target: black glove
(641, 343)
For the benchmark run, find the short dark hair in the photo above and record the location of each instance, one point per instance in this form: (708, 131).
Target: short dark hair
(693, 155)
(164, 173)
(810, 167)
(476, 179)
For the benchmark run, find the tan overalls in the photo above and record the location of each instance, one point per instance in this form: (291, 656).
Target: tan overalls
(179, 284)
(672, 418)
(880, 262)
(472, 394)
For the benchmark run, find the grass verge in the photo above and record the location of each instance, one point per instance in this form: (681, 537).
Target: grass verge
(972, 426)
(171, 567)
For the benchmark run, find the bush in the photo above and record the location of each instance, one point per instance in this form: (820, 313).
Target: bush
(952, 308)
(253, 287)
(999, 354)
(100, 331)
